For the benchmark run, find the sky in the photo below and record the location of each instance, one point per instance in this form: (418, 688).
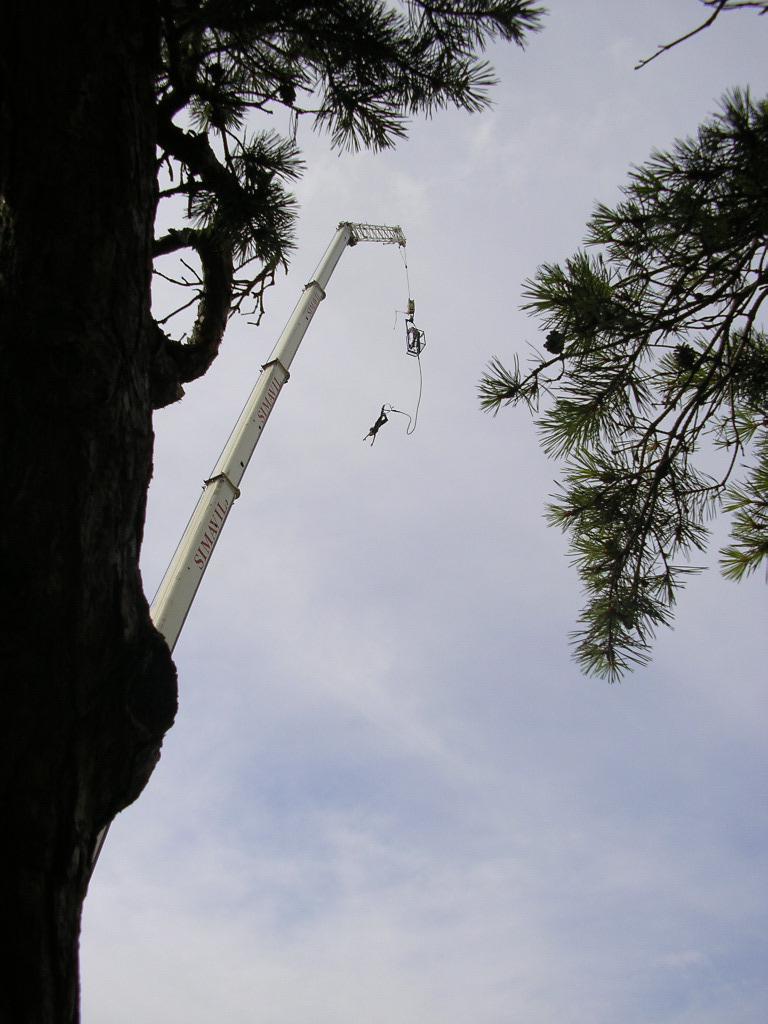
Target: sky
(389, 796)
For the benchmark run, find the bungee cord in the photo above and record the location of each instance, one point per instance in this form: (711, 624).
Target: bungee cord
(415, 343)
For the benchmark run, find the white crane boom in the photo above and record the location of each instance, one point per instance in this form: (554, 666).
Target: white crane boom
(182, 578)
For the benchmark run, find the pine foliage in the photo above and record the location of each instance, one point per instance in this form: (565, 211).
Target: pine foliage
(358, 69)
(658, 357)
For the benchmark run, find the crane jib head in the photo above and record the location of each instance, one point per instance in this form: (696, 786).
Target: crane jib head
(374, 233)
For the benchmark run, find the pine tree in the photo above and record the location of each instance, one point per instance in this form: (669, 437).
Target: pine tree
(657, 364)
(107, 110)
(360, 70)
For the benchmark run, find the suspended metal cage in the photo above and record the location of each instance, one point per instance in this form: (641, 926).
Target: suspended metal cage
(415, 342)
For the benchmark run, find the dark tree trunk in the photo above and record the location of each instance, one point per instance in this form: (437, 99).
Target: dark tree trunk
(88, 686)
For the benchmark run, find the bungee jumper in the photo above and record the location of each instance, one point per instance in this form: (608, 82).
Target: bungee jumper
(383, 418)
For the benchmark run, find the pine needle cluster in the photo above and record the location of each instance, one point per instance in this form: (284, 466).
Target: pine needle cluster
(657, 358)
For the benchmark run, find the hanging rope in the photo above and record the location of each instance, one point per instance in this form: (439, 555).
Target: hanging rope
(411, 306)
(414, 345)
(407, 277)
(412, 420)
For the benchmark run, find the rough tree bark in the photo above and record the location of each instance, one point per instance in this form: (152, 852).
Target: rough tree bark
(88, 686)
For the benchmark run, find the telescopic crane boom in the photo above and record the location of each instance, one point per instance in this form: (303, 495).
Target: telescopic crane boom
(182, 578)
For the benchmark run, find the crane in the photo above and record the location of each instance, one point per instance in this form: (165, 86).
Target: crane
(183, 576)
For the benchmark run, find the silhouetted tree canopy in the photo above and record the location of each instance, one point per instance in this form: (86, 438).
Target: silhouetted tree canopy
(107, 112)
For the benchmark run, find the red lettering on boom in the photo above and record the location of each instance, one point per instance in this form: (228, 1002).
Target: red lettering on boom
(203, 552)
(270, 398)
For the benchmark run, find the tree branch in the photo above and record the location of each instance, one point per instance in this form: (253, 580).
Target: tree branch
(719, 6)
(688, 35)
(178, 363)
